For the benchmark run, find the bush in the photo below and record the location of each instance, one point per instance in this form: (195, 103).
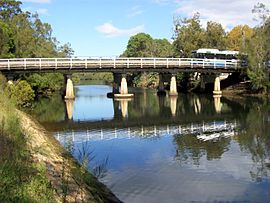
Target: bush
(45, 84)
(2, 82)
(21, 92)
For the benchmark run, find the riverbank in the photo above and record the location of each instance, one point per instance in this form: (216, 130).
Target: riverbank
(34, 167)
(71, 181)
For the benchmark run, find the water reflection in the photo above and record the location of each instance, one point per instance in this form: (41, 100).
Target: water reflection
(217, 103)
(162, 149)
(69, 108)
(173, 102)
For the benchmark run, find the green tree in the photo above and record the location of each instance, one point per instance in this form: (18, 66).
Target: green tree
(6, 43)
(259, 50)
(215, 36)
(189, 36)
(139, 45)
(9, 8)
(162, 48)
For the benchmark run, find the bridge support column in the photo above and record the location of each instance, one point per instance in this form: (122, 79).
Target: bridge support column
(115, 85)
(161, 90)
(217, 90)
(123, 89)
(69, 88)
(173, 86)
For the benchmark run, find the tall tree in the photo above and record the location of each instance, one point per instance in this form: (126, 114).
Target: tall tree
(238, 36)
(139, 45)
(215, 36)
(9, 8)
(259, 50)
(162, 48)
(189, 36)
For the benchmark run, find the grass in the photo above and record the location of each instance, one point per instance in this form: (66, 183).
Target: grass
(22, 180)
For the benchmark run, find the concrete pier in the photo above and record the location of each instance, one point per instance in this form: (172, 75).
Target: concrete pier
(123, 89)
(69, 88)
(173, 86)
(217, 90)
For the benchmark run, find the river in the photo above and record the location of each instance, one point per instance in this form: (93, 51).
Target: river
(190, 148)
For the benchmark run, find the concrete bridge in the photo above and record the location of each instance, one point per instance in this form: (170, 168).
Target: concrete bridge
(120, 67)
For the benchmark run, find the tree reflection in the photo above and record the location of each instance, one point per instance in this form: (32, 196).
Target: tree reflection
(256, 139)
(189, 148)
(49, 109)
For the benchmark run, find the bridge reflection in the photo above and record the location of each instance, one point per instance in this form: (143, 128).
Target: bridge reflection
(121, 105)
(203, 131)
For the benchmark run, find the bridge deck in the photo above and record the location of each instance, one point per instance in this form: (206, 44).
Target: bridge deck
(117, 64)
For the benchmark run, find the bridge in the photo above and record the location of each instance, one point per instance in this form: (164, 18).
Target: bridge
(121, 66)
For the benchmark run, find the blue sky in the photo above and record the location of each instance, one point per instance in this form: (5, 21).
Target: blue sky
(103, 27)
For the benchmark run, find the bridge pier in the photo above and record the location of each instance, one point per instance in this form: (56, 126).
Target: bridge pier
(217, 90)
(173, 86)
(69, 88)
(161, 90)
(123, 89)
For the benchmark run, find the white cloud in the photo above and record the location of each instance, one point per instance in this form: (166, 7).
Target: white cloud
(111, 31)
(42, 11)
(135, 11)
(37, 1)
(227, 12)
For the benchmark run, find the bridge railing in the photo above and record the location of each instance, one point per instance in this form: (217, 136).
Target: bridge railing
(119, 63)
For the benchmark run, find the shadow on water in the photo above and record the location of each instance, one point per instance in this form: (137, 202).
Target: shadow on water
(165, 149)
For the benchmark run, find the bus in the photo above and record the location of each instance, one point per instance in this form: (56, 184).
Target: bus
(219, 58)
(215, 54)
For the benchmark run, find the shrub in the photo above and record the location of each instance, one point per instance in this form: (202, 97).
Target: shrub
(21, 92)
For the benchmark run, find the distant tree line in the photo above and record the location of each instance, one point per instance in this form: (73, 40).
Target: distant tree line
(190, 35)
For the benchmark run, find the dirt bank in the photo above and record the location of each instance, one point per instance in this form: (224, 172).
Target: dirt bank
(71, 182)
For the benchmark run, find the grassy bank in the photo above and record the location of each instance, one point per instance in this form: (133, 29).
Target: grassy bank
(22, 179)
(35, 168)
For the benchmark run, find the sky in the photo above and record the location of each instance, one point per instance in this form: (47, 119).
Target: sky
(103, 27)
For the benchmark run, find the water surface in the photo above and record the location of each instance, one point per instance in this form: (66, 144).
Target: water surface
(193, 148)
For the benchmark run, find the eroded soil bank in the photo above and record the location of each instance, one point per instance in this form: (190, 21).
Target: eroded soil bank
(71, 181)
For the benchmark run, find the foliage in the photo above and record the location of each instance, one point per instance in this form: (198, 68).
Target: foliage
(21, 92)
(139, 45)
(146, 80)
(24, 35)
(215, 36)
(21, 179)
(45, 84)
(258, 50)
(81, 77)
(238, 36)
(143, 45)
(189, 36)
